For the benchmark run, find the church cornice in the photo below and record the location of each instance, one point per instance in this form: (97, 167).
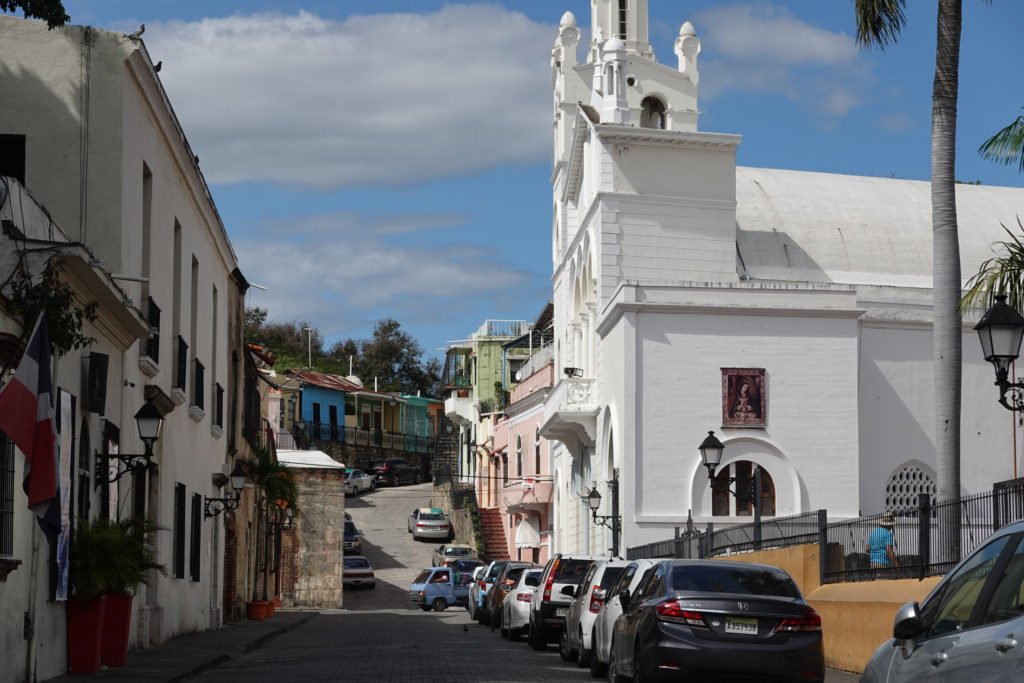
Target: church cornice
(630, 135)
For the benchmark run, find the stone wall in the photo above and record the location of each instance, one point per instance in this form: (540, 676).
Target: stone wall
(311, 553)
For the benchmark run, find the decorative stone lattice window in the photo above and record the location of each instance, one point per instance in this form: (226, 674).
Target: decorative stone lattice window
(904, 486)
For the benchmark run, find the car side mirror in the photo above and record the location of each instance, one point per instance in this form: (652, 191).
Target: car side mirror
(505, 588)
(532, 581)
(569, 591)
(624, 597)
(907, 624)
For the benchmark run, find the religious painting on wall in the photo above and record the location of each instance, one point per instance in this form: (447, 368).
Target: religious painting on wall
(744, 399)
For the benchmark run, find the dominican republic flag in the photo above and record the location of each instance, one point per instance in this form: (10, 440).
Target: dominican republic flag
(26, 416)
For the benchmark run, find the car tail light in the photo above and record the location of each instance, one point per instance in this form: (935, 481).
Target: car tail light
(810, 621)
(669, 610)
(546, 596)
(524, 597)
(595, 602)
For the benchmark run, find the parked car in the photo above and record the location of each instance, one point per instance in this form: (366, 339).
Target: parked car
(357, 571)
(446, 555)
(429, 523)
(515, 609)
(396, 471)
(716, 619)
(601, 631)
(550, 604)
(502, 585)
(473, 603)
(352, 542)
(358, 480)
(484, 584)
(968, 628)
(575, 642)
(435, 588)
(467, 566)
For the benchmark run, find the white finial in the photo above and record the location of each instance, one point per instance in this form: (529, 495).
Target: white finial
(568, 19)
(687, 48)
(687, 29)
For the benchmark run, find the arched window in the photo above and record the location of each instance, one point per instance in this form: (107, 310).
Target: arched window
(536, 449)
(519, 455)
(652, 113)
(905, 485)
(725, 504)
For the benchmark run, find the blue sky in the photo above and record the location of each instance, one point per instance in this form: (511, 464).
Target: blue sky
(392, 158)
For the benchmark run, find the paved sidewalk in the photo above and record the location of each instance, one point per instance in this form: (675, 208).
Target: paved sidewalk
(189, 655)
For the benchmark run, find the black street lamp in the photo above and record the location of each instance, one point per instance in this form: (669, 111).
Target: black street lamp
(1000, 331)
(711, 450)
(612, 521)
(215, 506)
(150, 422)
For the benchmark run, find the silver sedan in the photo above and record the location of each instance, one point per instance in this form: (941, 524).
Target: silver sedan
(358, 480)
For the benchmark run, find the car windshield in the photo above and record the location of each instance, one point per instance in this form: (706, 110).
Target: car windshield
(356, 563)
(350, 529)
(423, 576)
(750, 581)
(571, 571)
(462, 552)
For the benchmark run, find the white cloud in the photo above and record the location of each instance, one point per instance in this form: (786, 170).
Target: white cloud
(762, 48)
(312, 273)
(374, 99)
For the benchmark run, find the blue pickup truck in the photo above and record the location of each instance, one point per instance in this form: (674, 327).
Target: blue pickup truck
(437, 587)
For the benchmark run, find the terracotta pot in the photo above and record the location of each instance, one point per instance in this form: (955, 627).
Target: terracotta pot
(269, 604)
(255, 611)
(117, 623)
(85, 629)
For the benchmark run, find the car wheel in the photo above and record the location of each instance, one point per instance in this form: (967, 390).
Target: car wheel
(417, 478)
(584, 656)
(613, 677)
(355, 490)
(564, 651)
(396, 480)
(639, 674)
(598, 669)
(439, 604)
(373, 485)
(514, 634)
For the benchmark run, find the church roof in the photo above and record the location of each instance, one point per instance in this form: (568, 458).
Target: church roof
(824, 227)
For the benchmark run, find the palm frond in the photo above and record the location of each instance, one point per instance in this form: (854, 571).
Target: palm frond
(1006, 146)
(879, 22)
(1001, 274)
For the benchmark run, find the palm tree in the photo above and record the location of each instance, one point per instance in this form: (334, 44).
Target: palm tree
(879, 23)
(1006, 146)
(274, 485)
(1001, 274)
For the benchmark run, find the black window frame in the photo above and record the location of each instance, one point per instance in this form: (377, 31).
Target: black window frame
(178, 554)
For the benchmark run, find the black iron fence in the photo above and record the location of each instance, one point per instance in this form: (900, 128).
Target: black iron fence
(929, 539)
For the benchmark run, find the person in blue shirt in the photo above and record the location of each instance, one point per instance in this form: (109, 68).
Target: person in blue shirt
(881, 545)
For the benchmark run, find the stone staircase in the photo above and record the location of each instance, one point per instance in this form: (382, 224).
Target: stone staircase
(495, 543)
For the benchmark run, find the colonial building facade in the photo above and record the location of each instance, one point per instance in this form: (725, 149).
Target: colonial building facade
(789, 312)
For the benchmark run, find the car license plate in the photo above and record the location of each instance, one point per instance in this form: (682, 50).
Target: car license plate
(738, 625)
(562, 612)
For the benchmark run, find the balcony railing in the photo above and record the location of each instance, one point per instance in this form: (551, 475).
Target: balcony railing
(569, 412)
(357, 436)
(180, 364)
(198, 374)
(153, 319)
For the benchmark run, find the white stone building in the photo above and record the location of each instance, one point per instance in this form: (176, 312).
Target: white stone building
(679, 277)
(93, 137)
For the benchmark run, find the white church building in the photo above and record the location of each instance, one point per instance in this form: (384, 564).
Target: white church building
(789, 312)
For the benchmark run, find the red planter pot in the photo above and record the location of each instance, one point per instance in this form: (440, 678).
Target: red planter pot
(256, 611)
(85, 631)
(269, 613)
(117, 623)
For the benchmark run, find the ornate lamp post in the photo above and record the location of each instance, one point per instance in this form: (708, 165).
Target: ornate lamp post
(711, 450)
(150, 422)
(612, 521)
(1000, 331)
(214, 506)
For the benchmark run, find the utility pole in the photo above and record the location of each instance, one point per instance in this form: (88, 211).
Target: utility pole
(309, 347)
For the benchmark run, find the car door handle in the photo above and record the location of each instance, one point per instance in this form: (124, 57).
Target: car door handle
(939, 659)
(1006, 644)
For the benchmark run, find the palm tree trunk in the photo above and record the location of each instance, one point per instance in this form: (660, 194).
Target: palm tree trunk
(946, 281)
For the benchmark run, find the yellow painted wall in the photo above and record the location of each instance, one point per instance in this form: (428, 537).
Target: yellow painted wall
(855, 617)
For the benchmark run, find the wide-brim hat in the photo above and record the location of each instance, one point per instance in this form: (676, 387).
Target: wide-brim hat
(887, 520)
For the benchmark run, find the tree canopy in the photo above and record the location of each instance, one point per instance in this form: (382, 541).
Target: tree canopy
(50, 11)
(390, 356)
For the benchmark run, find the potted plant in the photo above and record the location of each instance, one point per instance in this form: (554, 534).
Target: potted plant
(109, 560)
(273, 484)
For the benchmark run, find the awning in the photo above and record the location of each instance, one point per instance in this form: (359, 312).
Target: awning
(308, 459)
(528, 532)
